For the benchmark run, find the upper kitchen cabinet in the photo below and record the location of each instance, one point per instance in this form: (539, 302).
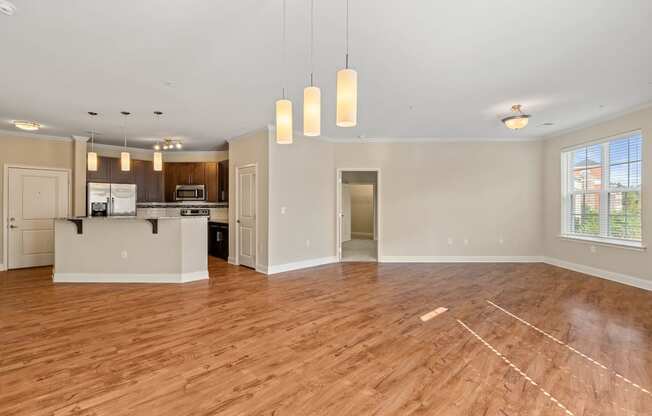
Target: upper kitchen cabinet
(149, 183)
(120, 176)
(103, 172)
(223, 181)
(211, 182)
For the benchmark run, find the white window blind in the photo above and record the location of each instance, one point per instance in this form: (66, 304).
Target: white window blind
(601, 189)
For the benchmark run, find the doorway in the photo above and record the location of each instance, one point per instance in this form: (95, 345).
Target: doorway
(358, 215)
(34, 198)
(246, 208)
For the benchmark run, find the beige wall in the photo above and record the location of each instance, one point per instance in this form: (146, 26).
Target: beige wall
(251, 148)
(30, 151)
(489, 194)
(362, 211)
(618, 260)
(301, 180)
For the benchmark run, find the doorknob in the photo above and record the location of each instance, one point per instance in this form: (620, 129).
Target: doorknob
(13, 226)
(238, 221)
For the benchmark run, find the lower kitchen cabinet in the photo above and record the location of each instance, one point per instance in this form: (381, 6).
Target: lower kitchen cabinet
(218, 240)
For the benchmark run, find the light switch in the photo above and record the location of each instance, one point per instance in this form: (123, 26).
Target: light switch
(283, 210)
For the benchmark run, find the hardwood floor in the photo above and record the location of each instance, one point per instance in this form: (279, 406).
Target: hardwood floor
(344, 339)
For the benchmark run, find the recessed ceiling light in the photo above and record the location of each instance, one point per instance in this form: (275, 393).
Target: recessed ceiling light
(7, 7)
(547, 124)
(27, 125)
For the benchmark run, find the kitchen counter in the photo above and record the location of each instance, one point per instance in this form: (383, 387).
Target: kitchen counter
(130, 249)
(187, 204)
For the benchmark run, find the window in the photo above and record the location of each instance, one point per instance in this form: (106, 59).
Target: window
(601, 189)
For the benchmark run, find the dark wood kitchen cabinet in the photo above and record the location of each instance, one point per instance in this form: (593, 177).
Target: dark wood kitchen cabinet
(223, 181)
(103, 172)
(211, 182)
(149, 183)
(120, 176)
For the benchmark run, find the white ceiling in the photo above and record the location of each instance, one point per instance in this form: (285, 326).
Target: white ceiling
(441, 69)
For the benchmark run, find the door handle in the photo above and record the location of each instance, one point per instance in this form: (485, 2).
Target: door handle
(13, 226)
(238, 221)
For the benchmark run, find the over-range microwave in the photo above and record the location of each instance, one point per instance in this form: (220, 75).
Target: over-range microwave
(190, 193)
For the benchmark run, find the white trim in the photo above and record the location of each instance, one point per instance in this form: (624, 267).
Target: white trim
(13, 133)
(461, 259)
(129, 278)
(603, 140)
(604, 274)
(377, 205)
(280, 268)
(625, 244)
(261, 268)
(597, 121)
(2, 267)
(267, 128)
(235, 205)
(83, 139)
(231, 260)
(5, 201)
(372, 140)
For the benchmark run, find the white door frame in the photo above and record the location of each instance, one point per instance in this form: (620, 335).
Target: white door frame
(236, 259)
(338, 210)
(5, 203)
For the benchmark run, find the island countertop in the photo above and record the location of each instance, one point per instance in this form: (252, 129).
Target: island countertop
(131, 249)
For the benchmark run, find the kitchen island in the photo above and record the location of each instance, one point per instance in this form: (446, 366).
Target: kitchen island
(130, 250)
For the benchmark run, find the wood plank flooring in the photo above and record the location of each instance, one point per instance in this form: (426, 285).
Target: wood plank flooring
(343, 339)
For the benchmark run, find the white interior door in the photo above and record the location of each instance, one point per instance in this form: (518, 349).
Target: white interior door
(346, 213)
(246, 220)
(36, 197)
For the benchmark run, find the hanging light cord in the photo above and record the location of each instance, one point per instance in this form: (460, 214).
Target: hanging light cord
(284, 65)
(312, 40)
(124, 130)
(347, 34)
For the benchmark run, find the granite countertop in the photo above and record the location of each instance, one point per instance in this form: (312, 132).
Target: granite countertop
(197, 204)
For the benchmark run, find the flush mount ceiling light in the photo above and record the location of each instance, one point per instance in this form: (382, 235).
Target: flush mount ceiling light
(7, 7)
(347, 89)
(517, 121)
(27, 125)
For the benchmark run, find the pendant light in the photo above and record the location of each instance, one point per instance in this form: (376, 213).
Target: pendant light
(158, 156)
(125, 157)
(347, 88)
(312, 94)
(517, 121)
(284, 106)
(91, 157)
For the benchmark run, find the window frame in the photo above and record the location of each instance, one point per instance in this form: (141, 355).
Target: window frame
(568, 192)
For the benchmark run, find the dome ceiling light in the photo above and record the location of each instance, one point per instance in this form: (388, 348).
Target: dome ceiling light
(518, 120)
(7, 7)
(27, 125)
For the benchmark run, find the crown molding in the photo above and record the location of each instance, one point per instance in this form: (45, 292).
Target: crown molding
(600, 120)
(83, 139)
(249, 133)
(27, 135)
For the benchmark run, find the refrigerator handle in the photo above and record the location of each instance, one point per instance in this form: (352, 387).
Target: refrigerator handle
(111, 206)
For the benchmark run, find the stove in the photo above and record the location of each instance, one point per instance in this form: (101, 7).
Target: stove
(195, 212)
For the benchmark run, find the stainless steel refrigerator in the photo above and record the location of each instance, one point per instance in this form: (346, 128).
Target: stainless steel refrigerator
(111, 199)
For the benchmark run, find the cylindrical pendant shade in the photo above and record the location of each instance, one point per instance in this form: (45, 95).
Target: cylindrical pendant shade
(283, 121)
(347, 98)
(125, 161)
(158, 161)
(91, 159)
(311, 111)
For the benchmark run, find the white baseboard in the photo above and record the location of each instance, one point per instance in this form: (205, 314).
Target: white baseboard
(280, 268)
(367, 236)
(461, 259)
(129, 278)
(231, 260)
(604, 274)
(261, 268)
(2, 267)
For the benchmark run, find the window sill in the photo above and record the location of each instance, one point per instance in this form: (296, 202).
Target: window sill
(630, 245)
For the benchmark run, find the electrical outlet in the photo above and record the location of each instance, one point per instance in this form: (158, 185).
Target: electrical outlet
(501, 241)
(466, 241)
(124, 254)
(283, 210)
(450, 241)
(307, 243)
